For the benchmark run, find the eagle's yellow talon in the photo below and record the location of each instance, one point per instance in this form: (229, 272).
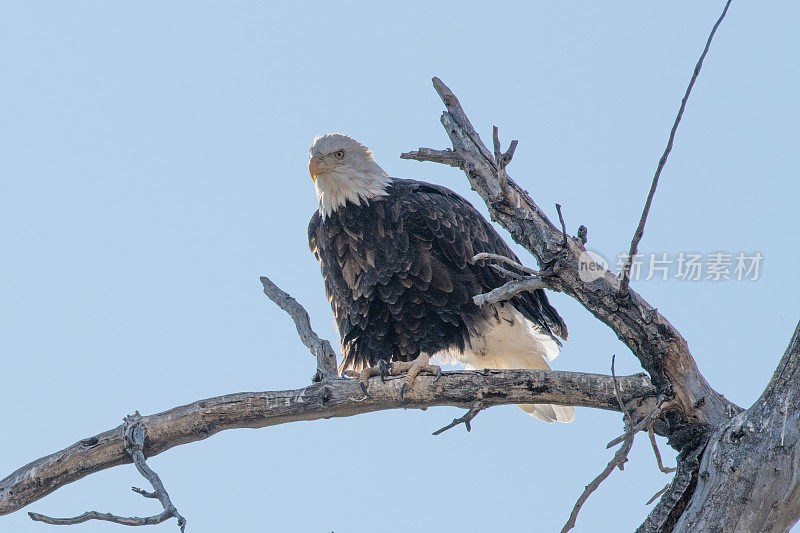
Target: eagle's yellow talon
(363, 377)
(420, 364)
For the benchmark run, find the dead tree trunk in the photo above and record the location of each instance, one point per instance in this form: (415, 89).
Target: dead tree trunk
(749, 475)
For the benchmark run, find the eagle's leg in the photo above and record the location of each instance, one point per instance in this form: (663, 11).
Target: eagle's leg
(420, 364)
(382, 369)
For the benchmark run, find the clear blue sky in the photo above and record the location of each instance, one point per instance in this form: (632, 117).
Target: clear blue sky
(153, 164)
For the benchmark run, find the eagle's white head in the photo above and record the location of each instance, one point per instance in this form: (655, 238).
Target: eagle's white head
(344, 171)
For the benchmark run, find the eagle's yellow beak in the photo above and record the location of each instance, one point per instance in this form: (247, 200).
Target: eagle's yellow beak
(313, 168)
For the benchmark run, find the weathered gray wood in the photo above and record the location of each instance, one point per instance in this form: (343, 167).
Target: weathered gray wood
(327, 399)
(135, 434)
(749, 478)
(509, 290)
(659, 347)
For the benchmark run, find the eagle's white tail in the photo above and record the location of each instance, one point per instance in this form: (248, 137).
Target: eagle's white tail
(511, 342)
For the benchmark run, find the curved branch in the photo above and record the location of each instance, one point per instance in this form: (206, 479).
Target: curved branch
(135, 434)
(754, 457)
(319, 348)
(660, 348)
(332, 398)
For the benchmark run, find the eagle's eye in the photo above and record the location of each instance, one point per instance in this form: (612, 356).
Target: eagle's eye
(339, 154)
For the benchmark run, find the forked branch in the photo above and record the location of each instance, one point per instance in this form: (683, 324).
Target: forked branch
(466, 419)
(326, 399)
(659, 347)
(134, 434)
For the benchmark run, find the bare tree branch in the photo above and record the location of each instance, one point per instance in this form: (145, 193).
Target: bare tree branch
(501, 160)
(619, 459)
(654, 444)
(445, 157)
(134, 434)
(327, 399)
(626, 271)
(320, 348)
(639, 426)
(105, 517)
(655, 496)
(507, 260)
(659, 347)
(466, 419)
(509, 290)
(688, 409)
(506, 272)
(563, 224)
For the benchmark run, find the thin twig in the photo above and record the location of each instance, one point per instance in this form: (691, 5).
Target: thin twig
(320, 348)
(654, 444)
(659, 493)
(446, 157)
(507, 260)
(477, 407)
(509, 290)
(135, 433)
(623, 286)
(144, 493)
(506, 272)
(643, 423)
(106, 517)
(563, 225)
(501, 171)
(619, 459)
(501, 160)
(622, 408)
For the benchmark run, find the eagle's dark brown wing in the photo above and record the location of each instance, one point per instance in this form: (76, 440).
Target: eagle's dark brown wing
(399, 274)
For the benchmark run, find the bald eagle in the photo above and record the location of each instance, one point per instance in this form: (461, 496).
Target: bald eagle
(396, 257)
